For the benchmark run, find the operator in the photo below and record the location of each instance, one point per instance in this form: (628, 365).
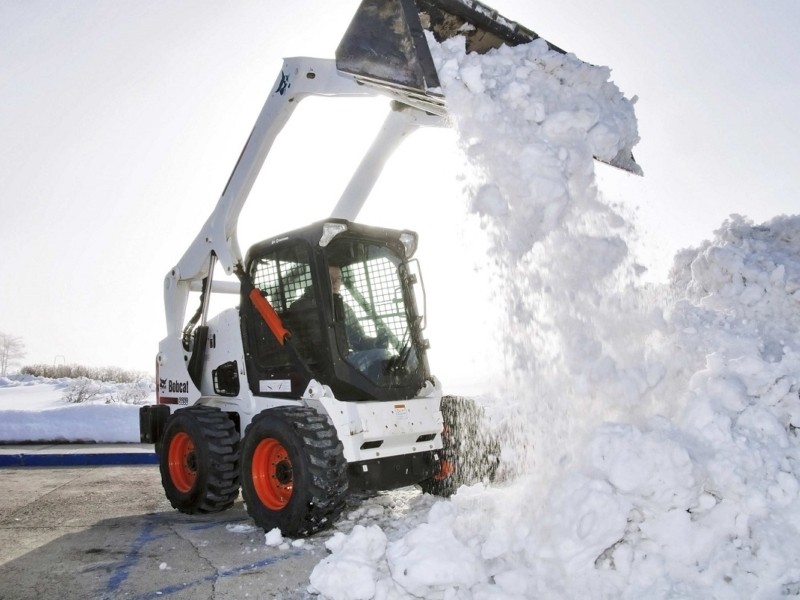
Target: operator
(302, 320)
(370, 355)
(357, 340)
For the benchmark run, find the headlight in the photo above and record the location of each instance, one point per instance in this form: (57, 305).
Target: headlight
(409, 241)
(330, 231)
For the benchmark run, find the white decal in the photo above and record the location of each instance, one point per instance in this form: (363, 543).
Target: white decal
(401, 412)
(275, 385)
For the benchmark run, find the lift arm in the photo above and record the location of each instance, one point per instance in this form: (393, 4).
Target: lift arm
(298, 79)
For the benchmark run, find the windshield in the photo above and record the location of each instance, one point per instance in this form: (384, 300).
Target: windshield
(373, 310)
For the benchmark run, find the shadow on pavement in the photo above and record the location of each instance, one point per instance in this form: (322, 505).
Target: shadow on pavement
(59, 545)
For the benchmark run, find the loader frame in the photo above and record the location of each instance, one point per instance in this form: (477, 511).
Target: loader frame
(217, 241)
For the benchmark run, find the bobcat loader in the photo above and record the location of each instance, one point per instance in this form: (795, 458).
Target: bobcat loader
(318, 382)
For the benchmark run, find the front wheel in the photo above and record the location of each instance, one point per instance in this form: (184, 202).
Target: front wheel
(470, 453)
(198, 460)
(293, 471)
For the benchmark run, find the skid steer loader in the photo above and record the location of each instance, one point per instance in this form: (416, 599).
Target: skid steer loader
(318, 382)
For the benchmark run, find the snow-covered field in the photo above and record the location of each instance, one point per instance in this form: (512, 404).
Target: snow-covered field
(36, 409)
(651, 431)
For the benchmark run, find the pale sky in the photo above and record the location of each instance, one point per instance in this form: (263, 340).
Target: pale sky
(121, 121)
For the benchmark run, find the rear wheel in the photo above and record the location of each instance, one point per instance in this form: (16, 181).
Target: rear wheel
(198, 460)
(293, 471)
(469, 454)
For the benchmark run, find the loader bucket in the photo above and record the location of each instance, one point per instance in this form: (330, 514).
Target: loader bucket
(385, 44)
(385, 47)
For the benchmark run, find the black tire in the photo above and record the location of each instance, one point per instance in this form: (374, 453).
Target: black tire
(469, 454)
(198, 458)
(293, 471)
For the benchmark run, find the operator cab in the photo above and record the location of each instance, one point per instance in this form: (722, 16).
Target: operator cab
(346, 293)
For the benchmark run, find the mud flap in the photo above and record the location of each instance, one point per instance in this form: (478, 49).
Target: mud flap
(152, 420)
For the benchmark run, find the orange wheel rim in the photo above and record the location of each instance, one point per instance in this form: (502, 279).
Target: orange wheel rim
(272, 474)
(182, 462)
(446, 469)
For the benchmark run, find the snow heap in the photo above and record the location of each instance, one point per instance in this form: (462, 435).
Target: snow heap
(662, 423)
(45, 410)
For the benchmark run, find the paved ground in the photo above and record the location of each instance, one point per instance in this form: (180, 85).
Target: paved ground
(108, 532)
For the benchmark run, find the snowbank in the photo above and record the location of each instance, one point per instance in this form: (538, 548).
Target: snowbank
(34, 409)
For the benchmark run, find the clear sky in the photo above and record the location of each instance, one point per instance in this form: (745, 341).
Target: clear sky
(121, 121)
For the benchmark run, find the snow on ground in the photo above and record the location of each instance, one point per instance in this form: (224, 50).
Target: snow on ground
(652, 432)
(34, 409)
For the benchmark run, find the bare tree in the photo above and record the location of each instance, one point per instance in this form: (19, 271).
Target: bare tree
(11, 350)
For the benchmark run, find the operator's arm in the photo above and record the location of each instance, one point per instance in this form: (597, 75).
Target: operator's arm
(358, 340)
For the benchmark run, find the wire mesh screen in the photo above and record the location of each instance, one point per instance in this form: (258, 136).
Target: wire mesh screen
(282, 278)
(373, 291)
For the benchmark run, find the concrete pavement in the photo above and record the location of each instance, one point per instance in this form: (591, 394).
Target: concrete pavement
(109, 533)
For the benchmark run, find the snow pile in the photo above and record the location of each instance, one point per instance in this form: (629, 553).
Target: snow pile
(36, 409)
(690, 488)
(706, 504)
